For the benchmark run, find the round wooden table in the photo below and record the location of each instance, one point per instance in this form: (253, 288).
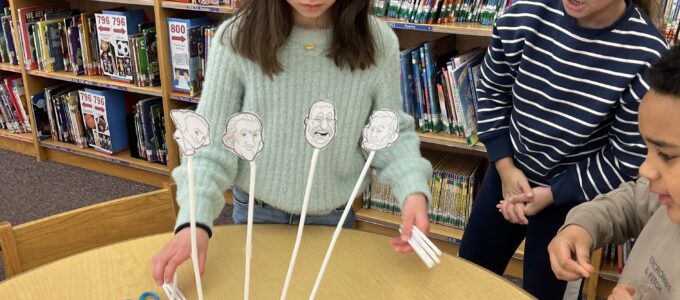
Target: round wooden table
(363, 266)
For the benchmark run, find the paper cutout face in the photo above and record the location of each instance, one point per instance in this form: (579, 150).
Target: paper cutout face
(244, 135)
(320, 124)
(193, 131)
(381, 131)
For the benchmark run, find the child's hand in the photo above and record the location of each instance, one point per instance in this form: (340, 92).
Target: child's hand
(178, 250)
(542, 198)
(622, 292)
(572, 241)
(513, 179)
(512, 212)
(414, 212)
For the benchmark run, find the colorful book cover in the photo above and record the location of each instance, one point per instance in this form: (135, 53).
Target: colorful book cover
(113, 29)
(186, 62)
(7, 30)
(104, 115)
(29, 16)
(42, 123)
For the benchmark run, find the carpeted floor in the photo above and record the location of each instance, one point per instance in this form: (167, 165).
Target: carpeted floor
(30, 190)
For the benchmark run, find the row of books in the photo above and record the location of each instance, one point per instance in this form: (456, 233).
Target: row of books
(617, 255)
(453, 186)
(98, 119)
(13, 117)
(441, 11)
(8, 51)
(439, 90)
(670, 19)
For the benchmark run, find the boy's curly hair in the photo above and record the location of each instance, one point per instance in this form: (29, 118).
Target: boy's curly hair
(664, 76)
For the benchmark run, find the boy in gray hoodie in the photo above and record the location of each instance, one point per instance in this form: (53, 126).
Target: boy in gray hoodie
(648, 209)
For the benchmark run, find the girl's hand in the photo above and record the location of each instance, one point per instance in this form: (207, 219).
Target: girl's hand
(622, 292)
(572, 241)
(178, 250)
(513, 179)
(542, 198)
(512, 212)
(413, 212)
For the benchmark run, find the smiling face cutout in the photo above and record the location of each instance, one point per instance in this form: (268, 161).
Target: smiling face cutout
(320, 124)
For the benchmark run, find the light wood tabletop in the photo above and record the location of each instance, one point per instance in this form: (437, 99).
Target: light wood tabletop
(363, 266)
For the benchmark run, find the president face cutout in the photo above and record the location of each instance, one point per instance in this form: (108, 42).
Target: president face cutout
(193, 131)
(381, 131)
(244, 135)
(320, 124)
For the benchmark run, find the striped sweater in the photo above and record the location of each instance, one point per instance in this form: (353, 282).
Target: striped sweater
(562, 100)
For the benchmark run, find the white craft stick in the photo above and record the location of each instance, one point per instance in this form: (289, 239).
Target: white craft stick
(338, 228)
(192, 223)
(249, 233)
(427, 240)
(421, 253)
(174, 286)
(172, 291)
(429, 251)
(303, 215)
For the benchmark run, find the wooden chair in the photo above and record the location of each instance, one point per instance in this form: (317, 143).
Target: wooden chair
(36, 243)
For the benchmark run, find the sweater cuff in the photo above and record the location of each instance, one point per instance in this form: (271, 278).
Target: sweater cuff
(588, 222)
(498, 146)
(410, 184)
(565, 188)
(198, 225)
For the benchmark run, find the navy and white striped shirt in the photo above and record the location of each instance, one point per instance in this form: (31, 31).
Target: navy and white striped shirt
(563, 100)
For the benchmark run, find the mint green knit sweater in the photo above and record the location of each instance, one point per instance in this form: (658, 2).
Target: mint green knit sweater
(235, 84)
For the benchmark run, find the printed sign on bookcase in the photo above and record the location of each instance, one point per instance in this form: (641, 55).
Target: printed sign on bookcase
(186, 40)
(104, 115)
(113, 28)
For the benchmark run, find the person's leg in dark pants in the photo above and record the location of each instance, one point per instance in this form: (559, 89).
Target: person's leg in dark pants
(489, 240)
(539, 279)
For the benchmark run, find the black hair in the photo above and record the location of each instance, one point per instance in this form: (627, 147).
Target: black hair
(664, 76)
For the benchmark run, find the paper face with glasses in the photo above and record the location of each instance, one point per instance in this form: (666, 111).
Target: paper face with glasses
(381, 131)
(244, 135)
(192, 131)
(320, 124)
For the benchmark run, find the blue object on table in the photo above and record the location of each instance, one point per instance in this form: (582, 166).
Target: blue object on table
(153, 296)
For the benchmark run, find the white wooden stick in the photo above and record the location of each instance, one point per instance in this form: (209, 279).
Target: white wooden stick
(174, 286)
(249, 234)
(420, 239)
(301, 226)
(192, 223)
(338, 228)
(421, 253)
(427, 240)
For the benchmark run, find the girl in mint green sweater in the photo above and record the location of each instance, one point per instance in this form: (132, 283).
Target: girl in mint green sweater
(275, 58)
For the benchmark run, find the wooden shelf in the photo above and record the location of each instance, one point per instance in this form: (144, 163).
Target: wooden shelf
(184, 97)
(21, 137)
(463, 28)
(223, 9)
(122, 158)
(450, 141)
(132, 2)
(10, 68)
(100, 81)
(437, 231)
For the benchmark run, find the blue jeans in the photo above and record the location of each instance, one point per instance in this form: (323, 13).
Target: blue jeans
(266, 214)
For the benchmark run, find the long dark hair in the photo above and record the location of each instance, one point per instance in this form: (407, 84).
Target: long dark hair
(265, 25)
(647, 7)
